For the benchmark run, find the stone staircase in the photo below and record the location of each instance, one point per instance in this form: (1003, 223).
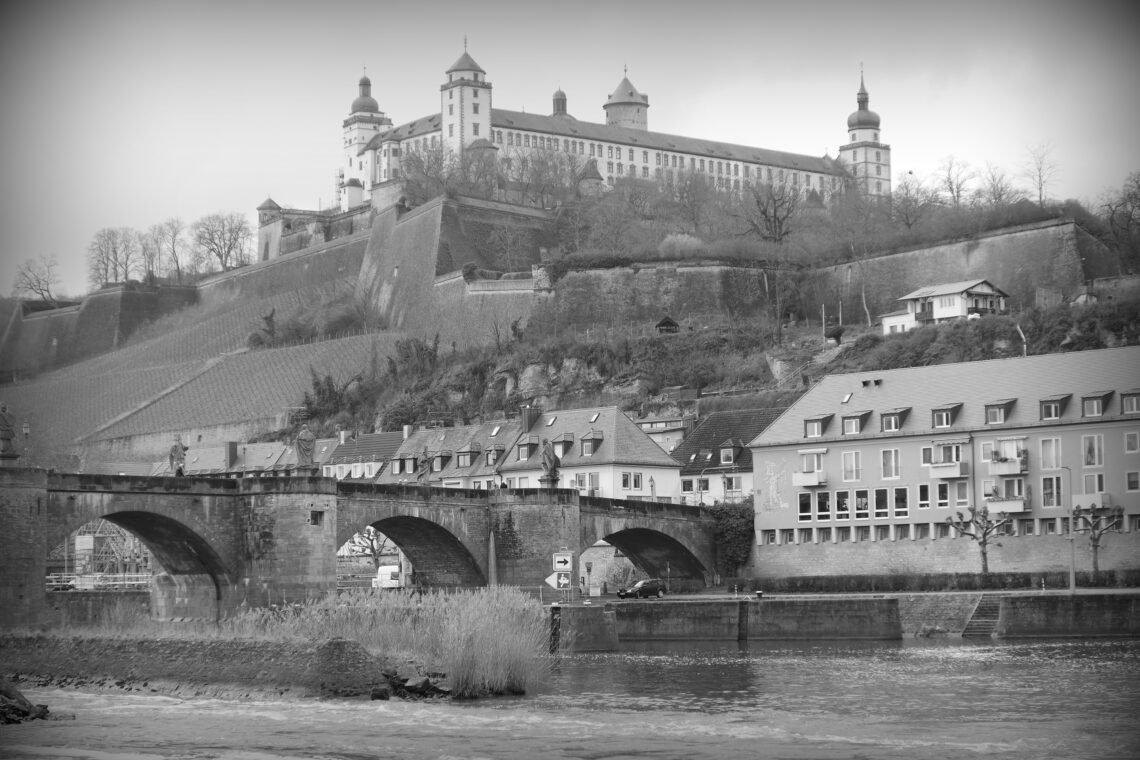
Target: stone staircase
(983, 622)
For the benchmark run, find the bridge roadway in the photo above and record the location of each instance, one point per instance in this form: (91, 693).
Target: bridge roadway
(229, 542)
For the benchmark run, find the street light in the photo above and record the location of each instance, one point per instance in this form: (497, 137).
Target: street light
(1072, 536)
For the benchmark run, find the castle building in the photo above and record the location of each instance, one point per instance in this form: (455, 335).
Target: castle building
(888, 456)
(621, 147)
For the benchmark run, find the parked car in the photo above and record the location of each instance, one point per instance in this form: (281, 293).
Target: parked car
(648, 587)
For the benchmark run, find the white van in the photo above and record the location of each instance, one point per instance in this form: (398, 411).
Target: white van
(387, 576)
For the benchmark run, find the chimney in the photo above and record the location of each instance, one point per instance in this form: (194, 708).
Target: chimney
(343, 435)
(231, 454)
(530, 414)
(408, 430)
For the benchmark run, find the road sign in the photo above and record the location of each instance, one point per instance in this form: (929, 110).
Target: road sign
(564, 561)
(560, 581)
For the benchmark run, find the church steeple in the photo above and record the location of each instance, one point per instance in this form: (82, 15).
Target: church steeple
(465, 104)
(866, 157)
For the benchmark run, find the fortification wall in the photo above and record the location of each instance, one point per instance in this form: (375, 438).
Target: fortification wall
(339, 259)
(1056, 255)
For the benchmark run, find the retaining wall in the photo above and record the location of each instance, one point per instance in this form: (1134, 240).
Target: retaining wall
(1080, 615)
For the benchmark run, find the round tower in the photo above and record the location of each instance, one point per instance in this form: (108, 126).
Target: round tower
(365, 121)
(465, 105)
(626, 107)
(865, 155)
(559, 103)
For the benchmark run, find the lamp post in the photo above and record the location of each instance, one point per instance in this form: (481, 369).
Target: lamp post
(1072, 536)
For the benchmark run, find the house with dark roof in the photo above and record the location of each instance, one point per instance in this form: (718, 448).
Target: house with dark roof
(601, 452)
(361, 456)
(464, 456)
(969, 299)
(887, 456)
(716, 463)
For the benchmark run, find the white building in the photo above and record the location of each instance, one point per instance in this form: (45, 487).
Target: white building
(942, 303)
(621, 147)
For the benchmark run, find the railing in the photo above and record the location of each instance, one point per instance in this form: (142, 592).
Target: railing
(1017, 465)
(947, 470)
(924, 315)
(98, 581)
(809, 479)
(1007, 503)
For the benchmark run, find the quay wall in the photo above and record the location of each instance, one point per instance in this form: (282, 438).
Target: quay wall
(1081, 615)
(335, 666)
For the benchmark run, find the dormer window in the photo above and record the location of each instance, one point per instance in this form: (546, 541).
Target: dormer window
(892, 419)
(440, 460)
(943, 416)
(563, 444)
(463, 459)
(997, 412)
(727, 455)
(494, 454)
(814, 426)
(396, 466)
(1093, 404)
(853, 423)
(1130, 402)
(527, 447)
(1052, 407)
(591, 441)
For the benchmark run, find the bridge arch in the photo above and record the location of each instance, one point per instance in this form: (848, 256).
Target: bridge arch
(658, 554)
(438, 557)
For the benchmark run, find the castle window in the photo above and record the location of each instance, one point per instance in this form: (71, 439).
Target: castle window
(631, 154)
(619, 169)
(878, 187)
(702, 164)
(645, 172)
(610, 167)
(475, 94)
(451, 130)
(645, 156)
(475, 129)
(852, 137)
(854, 155)
(474, 108)
(451, 110)
(878, 171)
(878, 156)
(657, 156)
(610, 151)
(875, 136)
(510, 138)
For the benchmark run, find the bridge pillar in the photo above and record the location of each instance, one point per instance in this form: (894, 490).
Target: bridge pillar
(23, 499)
(289, 536)
(529, 526)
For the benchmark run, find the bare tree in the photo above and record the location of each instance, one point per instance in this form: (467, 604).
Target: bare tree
(150, 252)
(1040, 170)
(370, 543)
(767, 210)
(1097, 521)
(112, 255)
(980, 527)
(912, 200)
(36, 278)
(511, 243)
(1121, 212)
(225, 237)
(172, 245)
(997, 189)
(955, 177)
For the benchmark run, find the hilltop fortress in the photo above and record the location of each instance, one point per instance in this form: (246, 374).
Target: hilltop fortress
(427, 271)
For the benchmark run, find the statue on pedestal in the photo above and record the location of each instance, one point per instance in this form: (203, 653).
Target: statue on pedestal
(550, 463)
(306, 442)
(178, 457)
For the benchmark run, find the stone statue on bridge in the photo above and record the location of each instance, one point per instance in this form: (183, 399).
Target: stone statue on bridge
(423, 466)
(305, 444)
(550, 463)
(178, 457)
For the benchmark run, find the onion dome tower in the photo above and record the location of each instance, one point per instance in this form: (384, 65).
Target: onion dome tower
(365, 121)
(865, 156)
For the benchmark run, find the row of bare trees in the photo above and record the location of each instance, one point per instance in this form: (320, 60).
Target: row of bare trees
(169, 249)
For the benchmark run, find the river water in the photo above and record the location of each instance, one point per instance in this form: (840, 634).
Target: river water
(692, 701)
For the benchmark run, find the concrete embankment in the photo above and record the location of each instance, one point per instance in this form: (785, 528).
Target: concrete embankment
(336, 667)
(602, 627)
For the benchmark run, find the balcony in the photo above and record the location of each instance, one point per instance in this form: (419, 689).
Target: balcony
(1010, 504)
(924, 315)
(1017, 465)
(947, 470)
(809, 479)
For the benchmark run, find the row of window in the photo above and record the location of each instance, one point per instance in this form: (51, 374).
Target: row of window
(1026, 526)
(996, 413)
(732, 484)
(993, 453)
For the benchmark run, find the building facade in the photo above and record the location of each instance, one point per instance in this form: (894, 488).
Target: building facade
(621, 147)
(716, 463)
(943, 303)
(888, 456)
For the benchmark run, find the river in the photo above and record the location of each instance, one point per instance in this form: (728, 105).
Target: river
(695, 700)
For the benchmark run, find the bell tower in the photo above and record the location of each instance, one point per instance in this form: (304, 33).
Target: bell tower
(866, 156)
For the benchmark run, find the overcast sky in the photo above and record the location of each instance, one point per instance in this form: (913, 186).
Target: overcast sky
(126, 113)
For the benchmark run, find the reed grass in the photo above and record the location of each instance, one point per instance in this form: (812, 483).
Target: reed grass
(486, 641)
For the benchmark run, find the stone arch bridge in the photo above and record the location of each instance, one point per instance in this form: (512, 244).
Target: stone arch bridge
(224, 543)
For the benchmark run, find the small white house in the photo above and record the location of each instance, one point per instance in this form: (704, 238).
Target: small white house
(969, 299)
